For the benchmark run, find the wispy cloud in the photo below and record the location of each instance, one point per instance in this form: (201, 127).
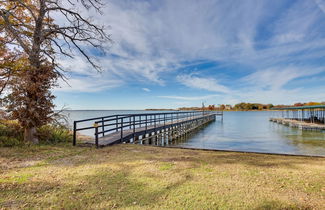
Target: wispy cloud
(276, 78)
(209, 84)
(320, 4)
(263, 46)
(146, 89)
(87, 85)
(190, 98)
(152, 38)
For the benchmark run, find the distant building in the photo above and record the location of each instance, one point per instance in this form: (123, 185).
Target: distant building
(228, 107)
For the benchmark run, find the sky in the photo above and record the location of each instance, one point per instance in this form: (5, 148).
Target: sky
(170, 54)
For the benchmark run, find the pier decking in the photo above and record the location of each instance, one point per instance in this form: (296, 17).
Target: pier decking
(143, 128)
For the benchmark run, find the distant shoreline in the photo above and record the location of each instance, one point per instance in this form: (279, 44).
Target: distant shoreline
(164, 110)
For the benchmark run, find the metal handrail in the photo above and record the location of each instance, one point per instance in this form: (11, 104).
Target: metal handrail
(118, 123)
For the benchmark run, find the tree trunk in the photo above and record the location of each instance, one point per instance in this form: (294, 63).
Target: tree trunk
(30, 135)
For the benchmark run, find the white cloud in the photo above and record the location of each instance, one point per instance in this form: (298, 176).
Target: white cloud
(296, 24)
(209, 84)
(90, 84)
(321, 5)
(190, 98)
(153, 38)
(289, 37)
(146, 89)
(276, 78)
(282, 96)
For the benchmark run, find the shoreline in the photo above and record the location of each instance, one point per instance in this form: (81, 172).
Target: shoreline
(167, 110)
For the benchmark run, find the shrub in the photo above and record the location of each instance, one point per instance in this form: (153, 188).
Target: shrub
(12, 134)
(7, 141)
(54, 134)
(11, 128)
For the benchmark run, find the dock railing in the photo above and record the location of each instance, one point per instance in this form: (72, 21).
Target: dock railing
(119, 123)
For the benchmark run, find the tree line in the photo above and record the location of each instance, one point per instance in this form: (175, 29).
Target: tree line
(248, 106)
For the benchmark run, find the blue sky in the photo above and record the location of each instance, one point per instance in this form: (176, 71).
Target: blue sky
(169, 54)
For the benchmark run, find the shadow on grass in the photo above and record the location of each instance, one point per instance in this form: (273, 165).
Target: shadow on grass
(278, 205)
(103, 189)
(125, 191)
(120, 154)
(210, 157)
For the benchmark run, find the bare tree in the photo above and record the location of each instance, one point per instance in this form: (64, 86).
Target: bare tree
(34, 39)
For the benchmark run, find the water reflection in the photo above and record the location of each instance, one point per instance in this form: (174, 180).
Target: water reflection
(252, 131)
(305, 142)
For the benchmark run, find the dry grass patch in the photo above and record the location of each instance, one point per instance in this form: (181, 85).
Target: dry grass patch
(144, 177)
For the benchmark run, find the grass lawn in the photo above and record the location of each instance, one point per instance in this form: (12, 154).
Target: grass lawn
(145, 177)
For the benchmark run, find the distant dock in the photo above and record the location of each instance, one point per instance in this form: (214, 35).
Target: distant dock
(302, 117)
(143, 128)
(299, 124)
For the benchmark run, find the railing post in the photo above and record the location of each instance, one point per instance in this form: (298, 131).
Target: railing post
(164, 121)
(121, 129)
(133, 124)
(154, 120)
(159, 118)
(103, 125)
(96, 135)
(146, 122)
(116, 123)
(74, 142)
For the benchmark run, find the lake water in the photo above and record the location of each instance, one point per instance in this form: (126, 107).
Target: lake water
(239, 131)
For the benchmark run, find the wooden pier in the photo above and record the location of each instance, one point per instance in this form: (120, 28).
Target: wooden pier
(143, 128)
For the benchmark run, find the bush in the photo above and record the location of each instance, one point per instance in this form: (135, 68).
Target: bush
(7, 141)
(54, 134)
(12, 134)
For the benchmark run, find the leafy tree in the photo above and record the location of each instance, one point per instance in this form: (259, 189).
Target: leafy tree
(298, 104)
(31, 38)
(312, 103)
(7, 65)
(270, 106)
(211, 107)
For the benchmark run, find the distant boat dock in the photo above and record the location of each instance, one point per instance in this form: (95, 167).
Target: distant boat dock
(302, 117)
(143, 128)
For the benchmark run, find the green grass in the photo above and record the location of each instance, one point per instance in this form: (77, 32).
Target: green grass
(144, 177)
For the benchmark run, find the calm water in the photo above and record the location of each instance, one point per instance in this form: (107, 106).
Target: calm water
(240, 131)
